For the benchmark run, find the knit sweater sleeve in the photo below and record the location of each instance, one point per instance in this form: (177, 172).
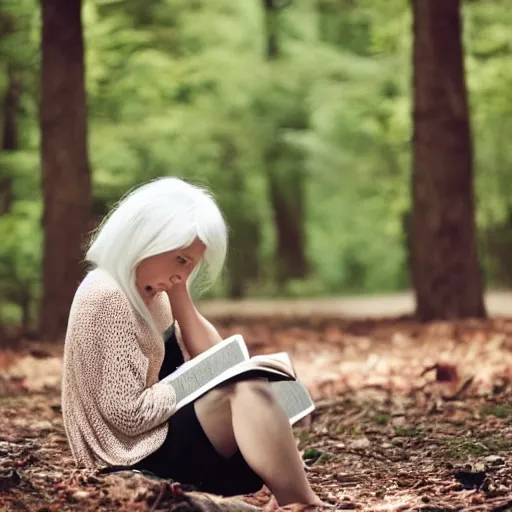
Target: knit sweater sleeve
(122, 396)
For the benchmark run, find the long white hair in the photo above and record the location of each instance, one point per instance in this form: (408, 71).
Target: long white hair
(160, 216)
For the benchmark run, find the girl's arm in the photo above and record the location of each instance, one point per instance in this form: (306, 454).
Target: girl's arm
(113, 369)
(197, 333)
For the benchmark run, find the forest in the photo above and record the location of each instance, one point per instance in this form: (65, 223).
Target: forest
(359, 151)
(298, 115)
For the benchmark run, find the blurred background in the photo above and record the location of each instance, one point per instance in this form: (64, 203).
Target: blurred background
(297, 114)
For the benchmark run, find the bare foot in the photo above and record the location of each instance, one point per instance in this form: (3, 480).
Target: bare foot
(321, 504)
(309, 507)
(273, 506)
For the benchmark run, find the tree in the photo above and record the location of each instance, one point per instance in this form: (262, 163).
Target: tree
(286, 178)
(445, 266)
(65, 166)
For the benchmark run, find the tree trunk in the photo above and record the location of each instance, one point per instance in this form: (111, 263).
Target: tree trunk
(287, 198)
(286, 185)
(445, 266)
(65, 167)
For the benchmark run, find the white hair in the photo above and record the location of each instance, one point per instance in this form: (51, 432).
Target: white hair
(160, 216)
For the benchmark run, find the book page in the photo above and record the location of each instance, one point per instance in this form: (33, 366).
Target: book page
(294, 398)
(235, 345)
(199, 371)
(274, 361)
(279, 360)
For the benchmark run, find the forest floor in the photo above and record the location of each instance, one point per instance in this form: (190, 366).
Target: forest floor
(409, 417)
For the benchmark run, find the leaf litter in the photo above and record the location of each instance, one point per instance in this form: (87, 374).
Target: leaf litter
(409, 417)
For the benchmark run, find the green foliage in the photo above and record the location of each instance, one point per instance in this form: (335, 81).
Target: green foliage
(185, 88)
(20, 261)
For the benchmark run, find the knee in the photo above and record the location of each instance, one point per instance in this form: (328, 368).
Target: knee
(218, 398)
(259, 388)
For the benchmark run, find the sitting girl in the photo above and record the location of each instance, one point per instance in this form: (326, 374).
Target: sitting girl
(132, 322)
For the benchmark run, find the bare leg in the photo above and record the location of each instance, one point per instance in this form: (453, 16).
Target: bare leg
(213, 411)
(247, 416)
(265, 438)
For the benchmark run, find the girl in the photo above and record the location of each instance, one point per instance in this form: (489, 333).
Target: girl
(162, 238)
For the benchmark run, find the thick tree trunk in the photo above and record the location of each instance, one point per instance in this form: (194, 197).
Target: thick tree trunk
(65, 166)
(445, 267)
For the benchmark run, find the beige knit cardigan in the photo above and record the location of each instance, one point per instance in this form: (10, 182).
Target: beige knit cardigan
(114, 409)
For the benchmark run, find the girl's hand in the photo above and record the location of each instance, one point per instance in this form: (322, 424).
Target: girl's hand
(197, 333)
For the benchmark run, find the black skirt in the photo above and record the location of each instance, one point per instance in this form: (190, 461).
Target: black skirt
(187, 455)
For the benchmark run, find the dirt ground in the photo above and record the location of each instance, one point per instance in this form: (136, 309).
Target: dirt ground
(409, 417)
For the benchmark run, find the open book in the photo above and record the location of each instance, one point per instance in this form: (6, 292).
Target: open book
(229, 361)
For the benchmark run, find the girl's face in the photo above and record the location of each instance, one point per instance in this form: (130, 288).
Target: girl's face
(161, 272)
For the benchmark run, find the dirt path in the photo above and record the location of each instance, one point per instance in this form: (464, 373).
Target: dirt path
(499, 303)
